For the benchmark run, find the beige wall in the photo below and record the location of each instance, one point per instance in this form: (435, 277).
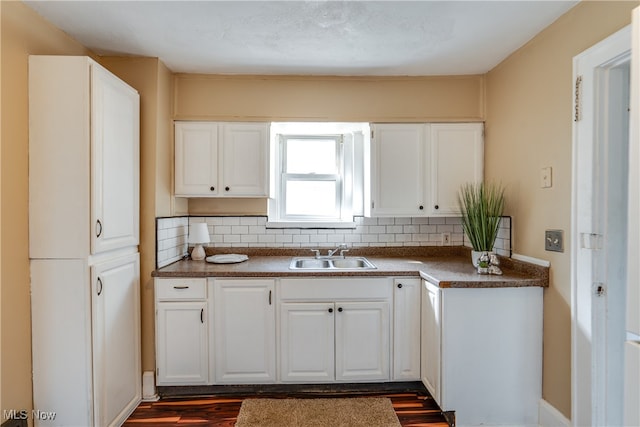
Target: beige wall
(528, 126)
(23, 33)
(151, 78)
(297, 98)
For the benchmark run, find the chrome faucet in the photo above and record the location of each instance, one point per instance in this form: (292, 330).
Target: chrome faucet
(342, 247)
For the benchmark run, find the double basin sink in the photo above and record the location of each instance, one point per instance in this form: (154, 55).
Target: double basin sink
(338, 263)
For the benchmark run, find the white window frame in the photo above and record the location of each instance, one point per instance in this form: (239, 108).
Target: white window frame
(286, 176)
(353, 136)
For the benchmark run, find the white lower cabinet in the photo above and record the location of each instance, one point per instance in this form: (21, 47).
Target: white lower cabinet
(244, 336)
(307, 344)
(334, 330)
(182, 342)
(117, 371)
(482, 353)
(362, 341)
(86, 340)
(406, 329)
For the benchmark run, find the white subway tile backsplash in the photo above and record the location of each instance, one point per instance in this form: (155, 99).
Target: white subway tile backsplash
(171, 240)
(172, 234)
(402, 221)
(249, 220)
(239, 229)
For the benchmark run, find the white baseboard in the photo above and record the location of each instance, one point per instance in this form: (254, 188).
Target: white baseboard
(548, 416)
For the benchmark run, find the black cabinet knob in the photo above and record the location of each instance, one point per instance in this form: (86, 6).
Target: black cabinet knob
(331, 310)
(437, 207)
(340, 309)
(421, 207)
(226, 188)
(400, 285)
(212, 188)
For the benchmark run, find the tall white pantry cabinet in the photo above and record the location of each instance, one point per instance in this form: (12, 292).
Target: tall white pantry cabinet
(83, 242)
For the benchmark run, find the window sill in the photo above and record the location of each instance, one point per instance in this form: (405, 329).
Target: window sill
(310, 224)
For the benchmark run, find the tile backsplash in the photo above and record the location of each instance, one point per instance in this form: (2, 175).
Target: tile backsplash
(171, 239)
(252, 232)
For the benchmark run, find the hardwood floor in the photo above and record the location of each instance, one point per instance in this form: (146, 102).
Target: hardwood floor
(415, 409)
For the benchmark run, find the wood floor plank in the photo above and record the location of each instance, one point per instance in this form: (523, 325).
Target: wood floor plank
(413, 410)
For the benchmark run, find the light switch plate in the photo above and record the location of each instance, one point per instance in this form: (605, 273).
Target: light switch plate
(554, 240)
(545, 177)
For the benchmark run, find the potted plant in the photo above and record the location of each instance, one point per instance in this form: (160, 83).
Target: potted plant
(481, 206)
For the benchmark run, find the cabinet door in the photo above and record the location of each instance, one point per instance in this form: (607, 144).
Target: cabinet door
(196, 162)
(116, 339)
(115, 162)
(457, 156)
(307, 342)
(397, 169)
(406, 329)
(431, 340)
(244, 317)
(244, 159)
(182, 343)
(362, 341)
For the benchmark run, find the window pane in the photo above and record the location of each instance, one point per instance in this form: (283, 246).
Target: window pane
(311, 156)
(315, 198)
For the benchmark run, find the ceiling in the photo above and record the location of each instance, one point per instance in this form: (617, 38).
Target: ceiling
(381, 38)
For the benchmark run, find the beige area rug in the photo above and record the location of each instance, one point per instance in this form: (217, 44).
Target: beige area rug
(341, 412)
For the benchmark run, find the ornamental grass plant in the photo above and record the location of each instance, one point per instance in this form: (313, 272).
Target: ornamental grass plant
(481, 206)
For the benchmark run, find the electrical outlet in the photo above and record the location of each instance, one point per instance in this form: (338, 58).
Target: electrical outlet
(554, 240)
(446, 239)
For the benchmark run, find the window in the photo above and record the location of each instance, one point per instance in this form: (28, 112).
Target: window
(313, 176)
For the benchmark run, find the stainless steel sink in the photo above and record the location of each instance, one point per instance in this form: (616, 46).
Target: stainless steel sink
(346, 263)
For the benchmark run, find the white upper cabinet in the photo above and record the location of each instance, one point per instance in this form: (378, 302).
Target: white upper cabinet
(245, 160)
(221, 159)
(397, 169)
(417, 168)
(115, 162)
(456, 158)
(83, 159)
(196, 159)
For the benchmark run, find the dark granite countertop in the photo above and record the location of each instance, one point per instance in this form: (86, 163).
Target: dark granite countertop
(447, 267)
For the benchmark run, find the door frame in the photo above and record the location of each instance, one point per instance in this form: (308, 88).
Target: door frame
(586, 407)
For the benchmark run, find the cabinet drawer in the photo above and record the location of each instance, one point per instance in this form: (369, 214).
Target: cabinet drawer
(181, 289)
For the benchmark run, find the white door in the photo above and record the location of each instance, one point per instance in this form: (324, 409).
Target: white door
(431, 340)
(599, 230)
(244, 319)
(362, 341)
(632, 346)
(456, 157)
(307, 342)
(115, 162)
(406, 329)
(196, 159)
(245, 160)
(397, 169)
(116, 339)
(632, 379)
(182, 343)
